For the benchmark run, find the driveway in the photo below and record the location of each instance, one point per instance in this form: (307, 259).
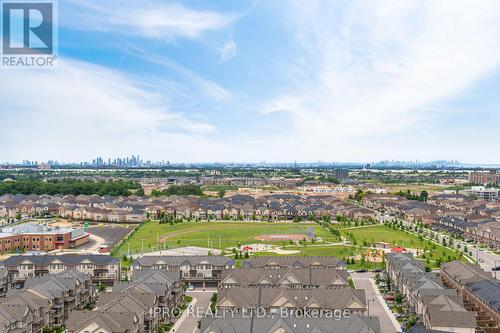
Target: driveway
(376, 304)
(190, 322)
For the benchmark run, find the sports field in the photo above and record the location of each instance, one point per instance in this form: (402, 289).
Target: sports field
(154, 236)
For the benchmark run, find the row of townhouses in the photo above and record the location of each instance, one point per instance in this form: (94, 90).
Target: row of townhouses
(101, 268)
(203, 271)
(480, 292)
(135, 209)
(272, 324)
(45, 301)
(137, 306)
(440, 308)
(286, 288)
(477, 220)
(293, 278)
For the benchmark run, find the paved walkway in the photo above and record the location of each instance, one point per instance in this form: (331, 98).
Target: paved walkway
(189, 323)
(376, 303)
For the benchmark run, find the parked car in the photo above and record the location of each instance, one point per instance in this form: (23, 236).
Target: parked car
(361, 271)
(497, 268)
(377, 270)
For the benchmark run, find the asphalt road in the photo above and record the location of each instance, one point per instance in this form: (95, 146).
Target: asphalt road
(375, 302)
(190, 323)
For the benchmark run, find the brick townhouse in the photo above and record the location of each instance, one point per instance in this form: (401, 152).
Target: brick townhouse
(196, 270)
(481, 293)
(102, 268)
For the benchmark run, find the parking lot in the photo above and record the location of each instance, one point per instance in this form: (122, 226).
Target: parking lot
(105, 235)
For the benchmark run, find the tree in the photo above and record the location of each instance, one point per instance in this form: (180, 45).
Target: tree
(423, 196)
(101, 287)
(398, 298)
(221, 193)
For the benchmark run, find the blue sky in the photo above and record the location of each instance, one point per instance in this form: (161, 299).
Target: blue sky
(250, 81)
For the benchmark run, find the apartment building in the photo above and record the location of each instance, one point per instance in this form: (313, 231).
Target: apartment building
(196, 270)
(102, 268)
(296, 278)
(484, 177)
(275, 300)
(34, 237)
(483, 193)
(294, 262)
(274, 324)
(480, 292)
(440, 308)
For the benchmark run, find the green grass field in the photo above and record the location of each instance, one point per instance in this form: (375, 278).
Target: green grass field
(381, 233)
(157, 236)
(199, 233)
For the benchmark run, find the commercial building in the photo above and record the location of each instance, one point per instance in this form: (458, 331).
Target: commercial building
(35, 237)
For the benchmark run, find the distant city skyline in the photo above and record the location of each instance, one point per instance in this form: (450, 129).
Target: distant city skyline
(135, 161)
(250, 81)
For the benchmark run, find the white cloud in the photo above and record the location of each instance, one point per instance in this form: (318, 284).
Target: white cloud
(80, 110)
(369, 70)
(228, 51)
(209, 88)
(150, 19)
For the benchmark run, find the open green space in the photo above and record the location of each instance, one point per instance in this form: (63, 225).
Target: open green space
(153, 235)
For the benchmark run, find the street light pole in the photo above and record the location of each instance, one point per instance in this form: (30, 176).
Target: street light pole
(142, 245)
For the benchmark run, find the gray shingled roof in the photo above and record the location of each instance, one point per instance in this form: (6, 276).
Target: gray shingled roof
(489, 291)
(148, 261)
(241, 324)
(293, 261)
(304, 276)
(68, 259)
(252, 297)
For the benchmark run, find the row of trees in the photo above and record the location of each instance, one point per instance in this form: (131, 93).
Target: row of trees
(71, 186)
(179, 190)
